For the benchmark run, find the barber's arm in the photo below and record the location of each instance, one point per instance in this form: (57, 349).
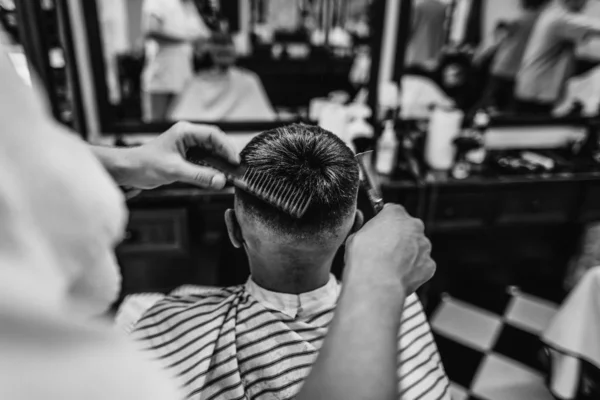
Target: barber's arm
(387, 260)
(578, 27)
(162, 161)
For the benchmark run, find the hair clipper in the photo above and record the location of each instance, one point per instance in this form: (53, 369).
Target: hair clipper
(368, 180)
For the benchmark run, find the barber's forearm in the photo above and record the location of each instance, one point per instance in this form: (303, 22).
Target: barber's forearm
(117, 161)
(359, 357)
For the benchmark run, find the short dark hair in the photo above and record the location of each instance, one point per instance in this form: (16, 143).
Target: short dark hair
(312, 159)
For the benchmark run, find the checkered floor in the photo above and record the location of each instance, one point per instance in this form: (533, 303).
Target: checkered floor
(492, 351)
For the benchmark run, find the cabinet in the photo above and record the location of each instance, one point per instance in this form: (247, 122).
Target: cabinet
(552, 203)
(154, 255)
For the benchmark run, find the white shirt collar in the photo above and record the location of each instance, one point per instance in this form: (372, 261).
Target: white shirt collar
(297, 305)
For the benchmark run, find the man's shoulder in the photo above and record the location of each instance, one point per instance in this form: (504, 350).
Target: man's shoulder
(152, 306)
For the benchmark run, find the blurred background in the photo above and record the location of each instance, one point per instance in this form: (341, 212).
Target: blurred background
(484, 120)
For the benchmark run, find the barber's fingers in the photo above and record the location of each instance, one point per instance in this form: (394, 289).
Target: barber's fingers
(200, 176)
(397, 208)
(425, 246)
(209, 137)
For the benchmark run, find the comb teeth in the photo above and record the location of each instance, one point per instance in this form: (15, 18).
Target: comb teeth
(280, 194)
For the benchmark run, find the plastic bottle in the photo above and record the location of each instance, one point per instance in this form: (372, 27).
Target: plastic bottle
(444, 127)
(387, 150)
(481, 123)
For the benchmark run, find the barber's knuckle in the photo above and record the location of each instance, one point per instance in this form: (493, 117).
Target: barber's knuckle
(419, 224)
(401, 209)
(397, 210)
(426, 244)
(183, 124)
(411, 227)
(181, 127)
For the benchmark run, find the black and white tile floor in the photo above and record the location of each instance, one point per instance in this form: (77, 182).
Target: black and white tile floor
(492, 350)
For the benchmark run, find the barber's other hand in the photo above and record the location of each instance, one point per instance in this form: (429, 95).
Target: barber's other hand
(162, 161)
(389, 252)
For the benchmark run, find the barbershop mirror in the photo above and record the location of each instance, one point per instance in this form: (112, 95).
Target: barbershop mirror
(234, 60)
(486, 54)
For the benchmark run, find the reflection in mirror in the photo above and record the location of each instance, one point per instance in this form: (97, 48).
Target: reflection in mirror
(10, 40)
(510, 57)
(243, 60)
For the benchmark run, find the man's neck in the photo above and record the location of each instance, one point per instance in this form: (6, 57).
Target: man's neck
(287, 277)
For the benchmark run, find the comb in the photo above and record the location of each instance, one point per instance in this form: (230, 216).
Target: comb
(368, 181)
(282, 195)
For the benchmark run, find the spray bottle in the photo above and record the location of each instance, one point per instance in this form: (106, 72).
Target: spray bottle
(387, 150)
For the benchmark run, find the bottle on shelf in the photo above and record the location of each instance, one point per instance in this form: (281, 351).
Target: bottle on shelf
(387, 150)
(481, 122)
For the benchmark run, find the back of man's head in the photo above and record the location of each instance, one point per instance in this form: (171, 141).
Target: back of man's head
(313, 160)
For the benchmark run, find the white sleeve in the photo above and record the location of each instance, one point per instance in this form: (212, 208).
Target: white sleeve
(67, 360)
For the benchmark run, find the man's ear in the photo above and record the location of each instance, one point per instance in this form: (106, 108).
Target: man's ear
(359, 220)
(233, 229)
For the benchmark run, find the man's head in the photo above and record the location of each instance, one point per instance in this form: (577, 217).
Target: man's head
(222, 50)
(454, 70)
(313, 160)
(575, 5)
(217, 51)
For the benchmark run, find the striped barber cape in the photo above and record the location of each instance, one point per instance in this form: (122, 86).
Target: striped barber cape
(245, 342)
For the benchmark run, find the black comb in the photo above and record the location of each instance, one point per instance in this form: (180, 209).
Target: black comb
(280, 194)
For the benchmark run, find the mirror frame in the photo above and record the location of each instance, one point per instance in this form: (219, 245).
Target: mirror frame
(110, 125)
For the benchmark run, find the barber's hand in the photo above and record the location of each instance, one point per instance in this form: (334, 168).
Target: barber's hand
(162, 161)
(389, 252)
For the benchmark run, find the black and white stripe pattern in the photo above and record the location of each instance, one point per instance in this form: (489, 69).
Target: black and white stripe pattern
(224, 344)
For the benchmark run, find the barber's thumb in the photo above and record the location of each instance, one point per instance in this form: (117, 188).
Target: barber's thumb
(201, 176)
